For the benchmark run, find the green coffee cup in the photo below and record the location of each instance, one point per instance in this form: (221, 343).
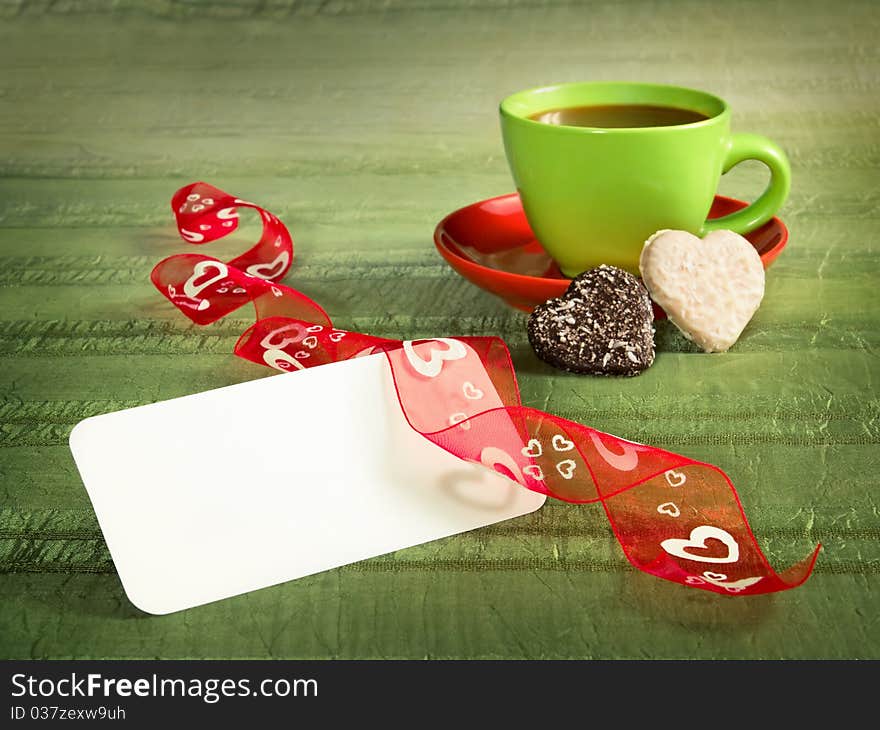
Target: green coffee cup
(594, 195)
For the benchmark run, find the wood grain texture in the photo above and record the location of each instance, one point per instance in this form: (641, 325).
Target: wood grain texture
(362, 123)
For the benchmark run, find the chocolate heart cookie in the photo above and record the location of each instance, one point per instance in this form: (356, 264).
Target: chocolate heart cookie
(602, 325)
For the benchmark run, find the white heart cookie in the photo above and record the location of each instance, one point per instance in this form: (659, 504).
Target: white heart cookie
(709, 288)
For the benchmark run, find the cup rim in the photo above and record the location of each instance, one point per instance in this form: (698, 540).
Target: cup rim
(506, 107)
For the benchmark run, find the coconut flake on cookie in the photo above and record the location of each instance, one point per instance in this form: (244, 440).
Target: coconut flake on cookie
(602, 325)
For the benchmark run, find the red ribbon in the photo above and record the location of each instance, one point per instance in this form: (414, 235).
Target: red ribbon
(675, 518)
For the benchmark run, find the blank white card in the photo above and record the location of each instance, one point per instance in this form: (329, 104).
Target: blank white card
(235, 489)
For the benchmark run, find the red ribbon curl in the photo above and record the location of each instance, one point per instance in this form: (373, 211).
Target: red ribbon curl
(674, 517)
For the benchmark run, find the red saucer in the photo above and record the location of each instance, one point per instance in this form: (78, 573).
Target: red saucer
(491, 245)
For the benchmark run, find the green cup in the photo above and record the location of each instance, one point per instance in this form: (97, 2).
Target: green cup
(593, 196)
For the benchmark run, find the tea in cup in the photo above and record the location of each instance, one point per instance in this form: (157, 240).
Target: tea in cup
(601, 166)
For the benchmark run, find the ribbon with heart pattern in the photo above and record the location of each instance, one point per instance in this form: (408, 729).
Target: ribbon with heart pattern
(675, 518)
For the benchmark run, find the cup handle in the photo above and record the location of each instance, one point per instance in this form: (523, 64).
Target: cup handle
(755, 147)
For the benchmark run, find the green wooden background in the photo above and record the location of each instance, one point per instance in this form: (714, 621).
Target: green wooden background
(361, 124)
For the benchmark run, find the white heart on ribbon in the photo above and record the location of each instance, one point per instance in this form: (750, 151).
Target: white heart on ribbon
(269, 342)
(566, 468)
(534, 471)
(533, 449)
(314, 328)
(714, 577)
(694, 580)
(311, 342)
(272, 269)
(458, 418)
(669, 508)
(560, 443)
(227, 213)
(181, 300)
(201, 268)
(280, 360)
(455, 350)
(471, 392)
(336, 336)
(302, 354)
(492, 456)
(681, 547)
(627, 461)
(734, 586)
(675, 478)
(739, 585)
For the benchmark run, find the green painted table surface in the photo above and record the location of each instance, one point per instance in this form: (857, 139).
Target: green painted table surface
(361, 124)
